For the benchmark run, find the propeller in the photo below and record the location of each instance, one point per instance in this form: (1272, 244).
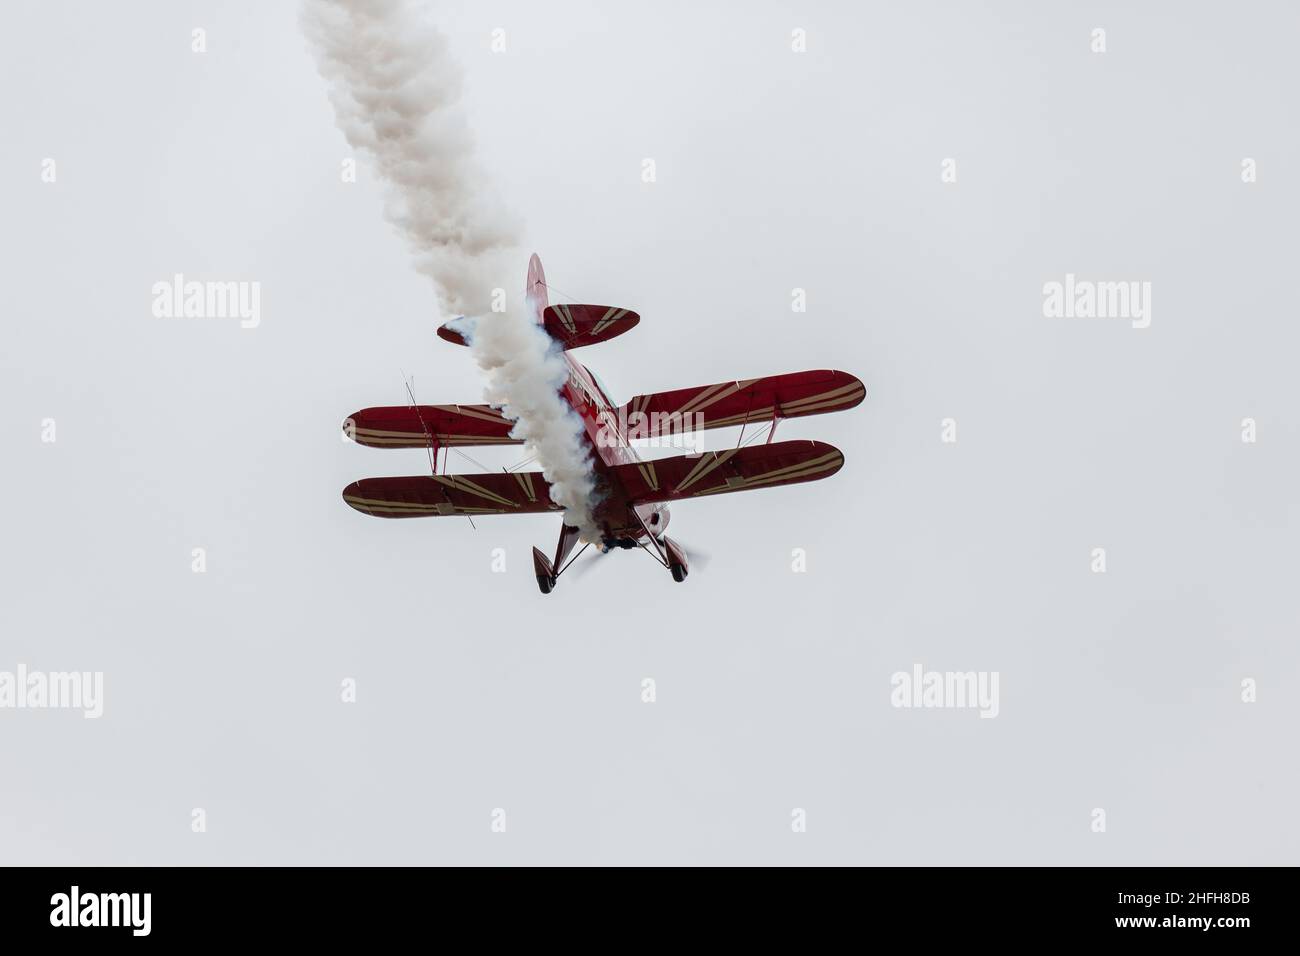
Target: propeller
(583, 568)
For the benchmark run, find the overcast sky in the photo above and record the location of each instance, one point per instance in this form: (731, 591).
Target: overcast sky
(775, 170)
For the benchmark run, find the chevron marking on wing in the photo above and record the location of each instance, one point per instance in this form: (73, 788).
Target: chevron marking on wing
(706, 397)
(756, 415)
(705, 465)
(826, 401)
(566, 318)
(801, 470)
(700, 403)
(647, 469)
(835, 404)
(391, 507)
(844, 393)
(460, 483)
(361, 504)
(525, 480)
(612, 315)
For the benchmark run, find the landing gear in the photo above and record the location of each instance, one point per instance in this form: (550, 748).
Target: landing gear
(547, 570)
(676, 559)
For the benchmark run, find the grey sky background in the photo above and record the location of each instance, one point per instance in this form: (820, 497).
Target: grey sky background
(775, 171)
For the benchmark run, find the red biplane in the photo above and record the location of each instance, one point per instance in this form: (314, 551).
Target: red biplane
(633, 493)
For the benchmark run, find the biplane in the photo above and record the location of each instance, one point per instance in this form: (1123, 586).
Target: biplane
(634, 493)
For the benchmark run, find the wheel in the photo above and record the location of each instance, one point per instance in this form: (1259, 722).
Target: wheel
(679, 573)
(545, 583)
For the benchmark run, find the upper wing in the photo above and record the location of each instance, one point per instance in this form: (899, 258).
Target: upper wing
(736, 403)
(571, 326)
(515, 492)
(409, 426)
(736, 469)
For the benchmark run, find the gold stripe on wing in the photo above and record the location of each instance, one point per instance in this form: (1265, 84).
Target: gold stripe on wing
(783, 472)
(648, 475)
(395, 508)
(387, 433)
(357, 503)
(461, 483)
(389, 504)
(824, 396)
(786, 475)
(828, 457)
(757, 415)
(842, 403)
(704, 466)
(479, 440)
(825, 402)
(608, 319)
(851, 386)
(491, 415)
(525, 480)
(566, 318)
(710, 394)
(412, 441)
(603, 321)
(420, 438)
(736, 389)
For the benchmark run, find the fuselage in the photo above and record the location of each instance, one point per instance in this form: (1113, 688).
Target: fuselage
(617, 515)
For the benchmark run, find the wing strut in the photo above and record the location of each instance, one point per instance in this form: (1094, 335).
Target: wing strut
(662, 556)
(572, 559)
(776, 417)
(433, 441)
(748, 409)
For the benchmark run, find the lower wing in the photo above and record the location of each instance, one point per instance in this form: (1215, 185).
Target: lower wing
(515, 492)
(736, 469)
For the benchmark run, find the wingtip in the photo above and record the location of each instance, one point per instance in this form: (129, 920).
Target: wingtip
(449, 334)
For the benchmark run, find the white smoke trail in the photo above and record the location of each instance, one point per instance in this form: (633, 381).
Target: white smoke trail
(525, 372)
(394, 88)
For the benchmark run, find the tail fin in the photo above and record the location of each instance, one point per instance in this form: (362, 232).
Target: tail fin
(535, 288)
(534, 294)
(573, 325)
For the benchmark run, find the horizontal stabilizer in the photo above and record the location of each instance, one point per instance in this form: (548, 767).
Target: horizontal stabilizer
(572, 326)
(576, 325)
(735, 469)
(495, 493)
(410, 426)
